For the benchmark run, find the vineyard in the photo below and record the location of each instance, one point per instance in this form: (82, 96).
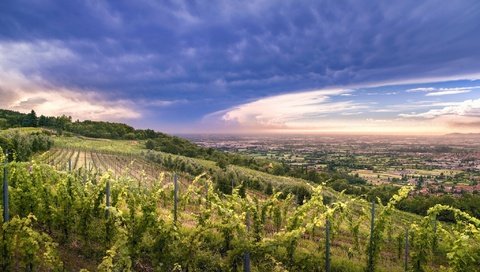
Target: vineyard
(98, 162)
(116, 223)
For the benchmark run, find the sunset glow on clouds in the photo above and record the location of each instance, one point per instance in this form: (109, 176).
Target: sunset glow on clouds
(282, 109)
(324, 66)
(23, 94)
(353, 111)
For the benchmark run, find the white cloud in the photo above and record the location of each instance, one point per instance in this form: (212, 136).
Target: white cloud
(351, 113)
(420, 90)
(412, 105)
(160, 102)
(287, 109)
(27, 57)
(448, 92)
(22, 88)
(24, 95)
(328, 111)
(430, 91)
(469, 108)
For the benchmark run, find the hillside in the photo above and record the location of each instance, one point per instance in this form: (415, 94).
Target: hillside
(143, 230)
(122, 196)
(63, 125)
(352, 217)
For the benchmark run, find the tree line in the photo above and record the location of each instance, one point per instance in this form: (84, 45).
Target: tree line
(22, 146)
(65, 124)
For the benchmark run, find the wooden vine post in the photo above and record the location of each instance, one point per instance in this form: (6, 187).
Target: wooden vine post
(107, 199)
(175, 198)
(371, 261)
(6, 212)
(406, 250)
(107, 211)
(435, 239)
(246, 257)
(327, 245)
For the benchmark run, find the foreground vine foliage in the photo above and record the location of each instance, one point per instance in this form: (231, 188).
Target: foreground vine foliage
(53, 209)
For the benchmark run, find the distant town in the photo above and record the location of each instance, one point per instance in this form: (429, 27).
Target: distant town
(434, 165)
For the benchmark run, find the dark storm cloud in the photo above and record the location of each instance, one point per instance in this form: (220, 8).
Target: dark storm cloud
(234, 51)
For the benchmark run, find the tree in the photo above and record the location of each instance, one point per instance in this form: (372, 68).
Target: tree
(243, 190)
(278, 169)
(149, 144)
(3, 123)
(62, 122)
(31, 120)
(419, 183)
(42, 121)
(331, 167)
(269, 189)
(5, 143)
(222, 163)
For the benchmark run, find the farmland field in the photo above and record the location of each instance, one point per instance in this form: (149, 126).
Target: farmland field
(94, 161)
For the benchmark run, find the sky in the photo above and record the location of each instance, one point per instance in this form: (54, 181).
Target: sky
(380, 67)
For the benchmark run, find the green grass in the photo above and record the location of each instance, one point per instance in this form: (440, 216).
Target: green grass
(277, 181)
(22, 130)
(436, 172)
(122, 146)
